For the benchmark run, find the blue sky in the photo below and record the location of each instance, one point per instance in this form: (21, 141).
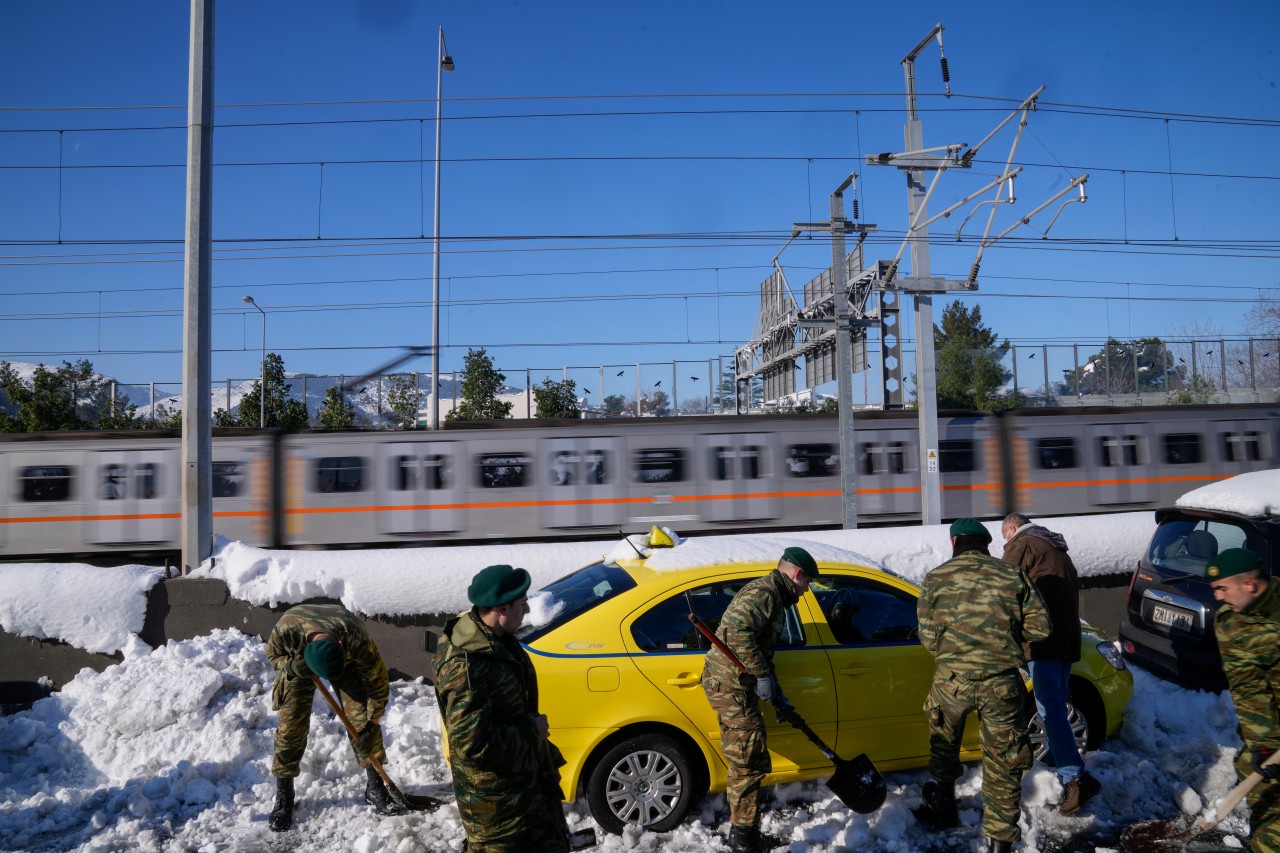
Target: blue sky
(615, 178)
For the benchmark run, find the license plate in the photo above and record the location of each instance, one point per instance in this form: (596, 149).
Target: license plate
(1173, 617)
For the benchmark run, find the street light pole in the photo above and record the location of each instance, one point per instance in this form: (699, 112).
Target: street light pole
(262, 390)
(444, 63)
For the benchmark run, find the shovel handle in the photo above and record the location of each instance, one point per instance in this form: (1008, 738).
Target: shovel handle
(715, 641)
(351, 730)
(1228, 803)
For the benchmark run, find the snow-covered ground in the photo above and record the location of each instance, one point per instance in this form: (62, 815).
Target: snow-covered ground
(171, 749)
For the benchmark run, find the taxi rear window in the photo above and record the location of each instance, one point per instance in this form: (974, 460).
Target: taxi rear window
(571, 596)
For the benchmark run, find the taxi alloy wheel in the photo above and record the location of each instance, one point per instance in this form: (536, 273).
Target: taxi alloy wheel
(1084, 714)
(645, 780)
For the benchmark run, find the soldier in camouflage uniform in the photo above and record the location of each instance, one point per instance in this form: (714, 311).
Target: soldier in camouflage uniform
(750, 627)
(326, 641)
(505, 769)
(975, 614)
(1248, 630)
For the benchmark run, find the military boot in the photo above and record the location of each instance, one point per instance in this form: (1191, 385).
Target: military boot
(377, 795)
(939, 807)
(994, 846)
(282, 812)
(743, 839)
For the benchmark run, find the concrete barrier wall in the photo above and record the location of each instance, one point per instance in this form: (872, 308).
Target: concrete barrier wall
(182, 608)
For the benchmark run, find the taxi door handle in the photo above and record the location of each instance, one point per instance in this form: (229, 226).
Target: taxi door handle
(856, 669)
(685, 680)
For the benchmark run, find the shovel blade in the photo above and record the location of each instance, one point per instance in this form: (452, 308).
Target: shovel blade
(858, 784)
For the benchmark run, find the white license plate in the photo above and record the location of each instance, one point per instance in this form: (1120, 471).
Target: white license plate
(1173, 617)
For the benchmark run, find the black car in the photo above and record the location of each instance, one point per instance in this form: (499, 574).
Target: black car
(1168, 625)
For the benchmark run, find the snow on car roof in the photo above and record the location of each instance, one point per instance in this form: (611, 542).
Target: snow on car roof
(1254, 494)
(753, 548)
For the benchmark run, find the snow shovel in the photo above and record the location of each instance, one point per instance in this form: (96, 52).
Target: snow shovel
(857, 782)
(1156, 836)
(409, 801)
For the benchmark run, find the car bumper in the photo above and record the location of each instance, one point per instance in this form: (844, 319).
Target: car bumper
(1183, 663)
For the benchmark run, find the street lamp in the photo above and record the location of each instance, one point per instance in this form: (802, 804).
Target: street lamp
(262, 390)
(445, 64)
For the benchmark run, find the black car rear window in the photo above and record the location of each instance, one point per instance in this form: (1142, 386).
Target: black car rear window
(1187, 545)
(573, 595)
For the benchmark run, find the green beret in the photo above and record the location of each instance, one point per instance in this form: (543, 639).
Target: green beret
(1233, 561)
(324, 658)
(800, 557)
(969, 527)
(495, 586)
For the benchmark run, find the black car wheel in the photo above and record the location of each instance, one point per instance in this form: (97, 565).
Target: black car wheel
(1084, 713)
(646, 780)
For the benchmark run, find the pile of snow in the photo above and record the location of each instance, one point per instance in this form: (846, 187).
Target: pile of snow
(1256, 494)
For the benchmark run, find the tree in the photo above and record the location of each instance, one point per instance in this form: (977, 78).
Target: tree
(404, 398)
(281, 410)
(336, 413)
(968, 360)
(556, 399)
(124, 415)
(1111, 370)
(615, 404)
(480, 385)
(657, 404)
(1198, 391)
(50, 399)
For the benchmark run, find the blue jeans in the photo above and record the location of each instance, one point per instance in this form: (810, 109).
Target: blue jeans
(1049, 682)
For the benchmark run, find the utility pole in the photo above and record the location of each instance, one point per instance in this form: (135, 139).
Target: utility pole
(197, 428)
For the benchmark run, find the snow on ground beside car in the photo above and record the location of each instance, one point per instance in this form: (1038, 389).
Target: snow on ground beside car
(171, 751)
(102, 609)
(1255, 494)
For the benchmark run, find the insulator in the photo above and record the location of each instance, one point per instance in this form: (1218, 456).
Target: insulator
(946, 71)
(855, 208)
(973, 273)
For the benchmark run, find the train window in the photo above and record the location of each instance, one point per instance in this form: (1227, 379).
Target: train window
(144, 480)
(659, 466)
(736, 463)
(114, 483)
(1056, 452)
(1182, 448)
(564, 468)
(1242, 446)
(404, 473)
(597, 471)
(889, 458)
(569, 468)
(46, 483)
(955, 456)
(436, 471)
(228, 479)
(503, 470)
(813, 460)
(1116, 451)
(340, 474)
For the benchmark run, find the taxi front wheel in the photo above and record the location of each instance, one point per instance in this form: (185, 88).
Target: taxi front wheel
(646, 780)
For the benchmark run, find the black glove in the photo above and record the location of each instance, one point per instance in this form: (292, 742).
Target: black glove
(1270, 772)
(748, 681)
(298, 669)
(786, 712)
(365, 740)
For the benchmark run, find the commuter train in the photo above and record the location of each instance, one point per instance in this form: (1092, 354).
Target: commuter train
(95, 492)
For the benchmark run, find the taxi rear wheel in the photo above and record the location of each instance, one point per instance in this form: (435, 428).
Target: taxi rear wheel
(646, 780)
(1084, 714)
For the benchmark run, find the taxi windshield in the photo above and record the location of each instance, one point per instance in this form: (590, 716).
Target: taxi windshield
(571, 596)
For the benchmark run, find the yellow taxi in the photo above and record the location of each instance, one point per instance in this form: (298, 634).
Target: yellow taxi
(619, 666)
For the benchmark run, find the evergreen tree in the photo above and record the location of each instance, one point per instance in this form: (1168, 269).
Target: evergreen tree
(1111, 370)
(125, 416)
(556, 399)
(657, 404)
(223, 418)
(968, 360)
(281, 409)
(48, 401)
(480, 385)
(404, 398)
(336, 413)
(615, 404)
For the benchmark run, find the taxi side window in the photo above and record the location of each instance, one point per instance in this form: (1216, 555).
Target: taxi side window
(666, 626)
(866, 613)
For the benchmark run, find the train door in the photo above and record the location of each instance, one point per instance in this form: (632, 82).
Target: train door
(582, 483)
(132, 497)
(741, 482)
(8, 496)
(888, 473)
(420, 488)
(1122, 465)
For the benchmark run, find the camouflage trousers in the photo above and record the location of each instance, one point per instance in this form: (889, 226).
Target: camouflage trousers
(510, 812)
(292, 697)
(1001, 704)
(1264, 808)
(742, 740)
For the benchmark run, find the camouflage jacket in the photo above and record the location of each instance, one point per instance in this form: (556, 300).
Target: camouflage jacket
(487, 691)
(1042, 554)
(1250, 646)
(976, 612)
(289, 637)
(751, 625)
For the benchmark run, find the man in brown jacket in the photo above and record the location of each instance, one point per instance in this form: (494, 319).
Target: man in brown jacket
(1042, 554)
